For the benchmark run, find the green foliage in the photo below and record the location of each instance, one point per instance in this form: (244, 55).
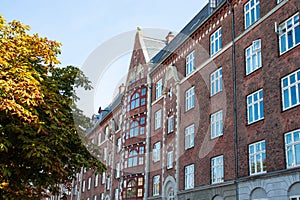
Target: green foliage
(40, 145)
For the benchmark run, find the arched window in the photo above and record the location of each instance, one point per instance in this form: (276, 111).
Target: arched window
(134, 129)
(132, 159)
(171, 195)
(135, 101)
(131, 189)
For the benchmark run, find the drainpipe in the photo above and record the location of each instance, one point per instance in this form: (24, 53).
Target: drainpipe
(234, 100)
(149, 106)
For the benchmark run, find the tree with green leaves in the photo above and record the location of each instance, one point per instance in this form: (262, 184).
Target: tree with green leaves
(41, 146)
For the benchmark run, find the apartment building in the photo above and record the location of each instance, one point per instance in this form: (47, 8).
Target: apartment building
(212, 113)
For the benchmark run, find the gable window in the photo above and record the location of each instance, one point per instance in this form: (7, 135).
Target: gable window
(171, 124)
(189, 99)
(158, 89)
(156, 185)
(289, 34)
(292, 148)
(217, 169)
(257, 158)
(216, 41)
(189, 177)
(189, 137)
(170, 160)
(157, 122)
(135, 101)
(252, 12)
(216, 84)
(132, 159)
(290, 88)
(216, 124)
(189, 63)
(253, 57)
(156, 152)
(255, 105)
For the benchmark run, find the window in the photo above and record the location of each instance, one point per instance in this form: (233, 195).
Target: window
(131, 189)
(102, 196)
(216, 124)
(134, 129)
(116, 194)
(156, 152)
(253, 57)
(255, 104)
(89, 183)
(189, 176)
(141, 155)
(216, 41)
(103, 178)
(132, 160)
(292, 148)
(156, 185)
(157, 120)
(189, 99)
(290, 88)
(170, 160)
(189, 63)
(118, 170)
(278, 1)
(99, 139)
(189, 137)
(95, 197)
(257, 158)
(135, 101)
(171, 195)
(83, 185)
(171, 124)
(140, 181)
(216, 84)
(252, 12)
(289, 34)
(158, 89)
(119, 144)
(105, 154)
(96, 180)
(217, 170)
(106, 132)
(108, 184)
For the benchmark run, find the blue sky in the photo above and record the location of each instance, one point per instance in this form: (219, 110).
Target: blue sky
(83, 26)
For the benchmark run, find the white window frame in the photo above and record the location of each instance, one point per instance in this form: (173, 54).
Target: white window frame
(217, 169)
(190, 63)
(189, 136)
(289, 90)
(157, 120)
(170, 159)
(189, 174)
(158, 89)
(216, 41)
(216, 124)
(119, 144)
(95, 197)
(116, 193)
(89, 183)
(253, 57)
(190, 98)
(156, 152)
(83, 185)
(96, 180)
(255, 105)
(287, 28)
(250, 10)
(294, 197)
(103, 178)
(156, 182)
(292, 156)
(257, 158)
(216, 84)
(171, 124)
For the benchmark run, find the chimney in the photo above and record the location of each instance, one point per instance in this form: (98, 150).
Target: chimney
(169, 37)
(121, 88)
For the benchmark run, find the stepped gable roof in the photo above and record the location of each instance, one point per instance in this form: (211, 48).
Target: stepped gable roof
(193, 25)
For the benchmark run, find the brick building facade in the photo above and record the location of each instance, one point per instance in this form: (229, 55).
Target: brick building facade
(211, 114)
